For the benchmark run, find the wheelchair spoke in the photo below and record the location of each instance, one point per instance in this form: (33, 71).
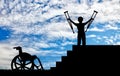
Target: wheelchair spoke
(28, 63)
(17, 63)
(27, 68)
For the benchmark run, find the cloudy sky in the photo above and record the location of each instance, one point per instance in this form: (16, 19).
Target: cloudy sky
(40, 27)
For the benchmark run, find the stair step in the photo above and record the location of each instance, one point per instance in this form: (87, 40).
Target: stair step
(89, 57)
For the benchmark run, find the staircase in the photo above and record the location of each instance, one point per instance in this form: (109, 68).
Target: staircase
(83, 60)
(90, 59)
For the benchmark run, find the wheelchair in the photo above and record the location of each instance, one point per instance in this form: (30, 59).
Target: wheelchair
(25, 61)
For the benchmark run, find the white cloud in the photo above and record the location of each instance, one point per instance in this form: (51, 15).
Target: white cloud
(107, 11)
(7, 54)
(96, 29)
(91, 36)
(111, 27)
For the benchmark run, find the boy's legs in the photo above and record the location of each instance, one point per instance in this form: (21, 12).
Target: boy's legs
(78, 40)
(83, 40)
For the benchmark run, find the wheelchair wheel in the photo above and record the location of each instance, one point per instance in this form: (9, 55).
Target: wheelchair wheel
(19, 64)
(37, 64)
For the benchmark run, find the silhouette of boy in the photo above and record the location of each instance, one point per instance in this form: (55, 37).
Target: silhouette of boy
(81, 30)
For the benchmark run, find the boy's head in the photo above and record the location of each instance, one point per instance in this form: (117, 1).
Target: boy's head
(80, 19)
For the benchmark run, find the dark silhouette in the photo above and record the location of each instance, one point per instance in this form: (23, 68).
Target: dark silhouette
(25, 61)
(68, 17)
(81, 28)
(81, 32)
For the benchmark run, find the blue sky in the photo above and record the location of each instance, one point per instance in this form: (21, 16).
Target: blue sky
(40, 27)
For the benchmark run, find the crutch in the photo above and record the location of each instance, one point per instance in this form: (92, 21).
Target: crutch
(93, 16)
(68, 17)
